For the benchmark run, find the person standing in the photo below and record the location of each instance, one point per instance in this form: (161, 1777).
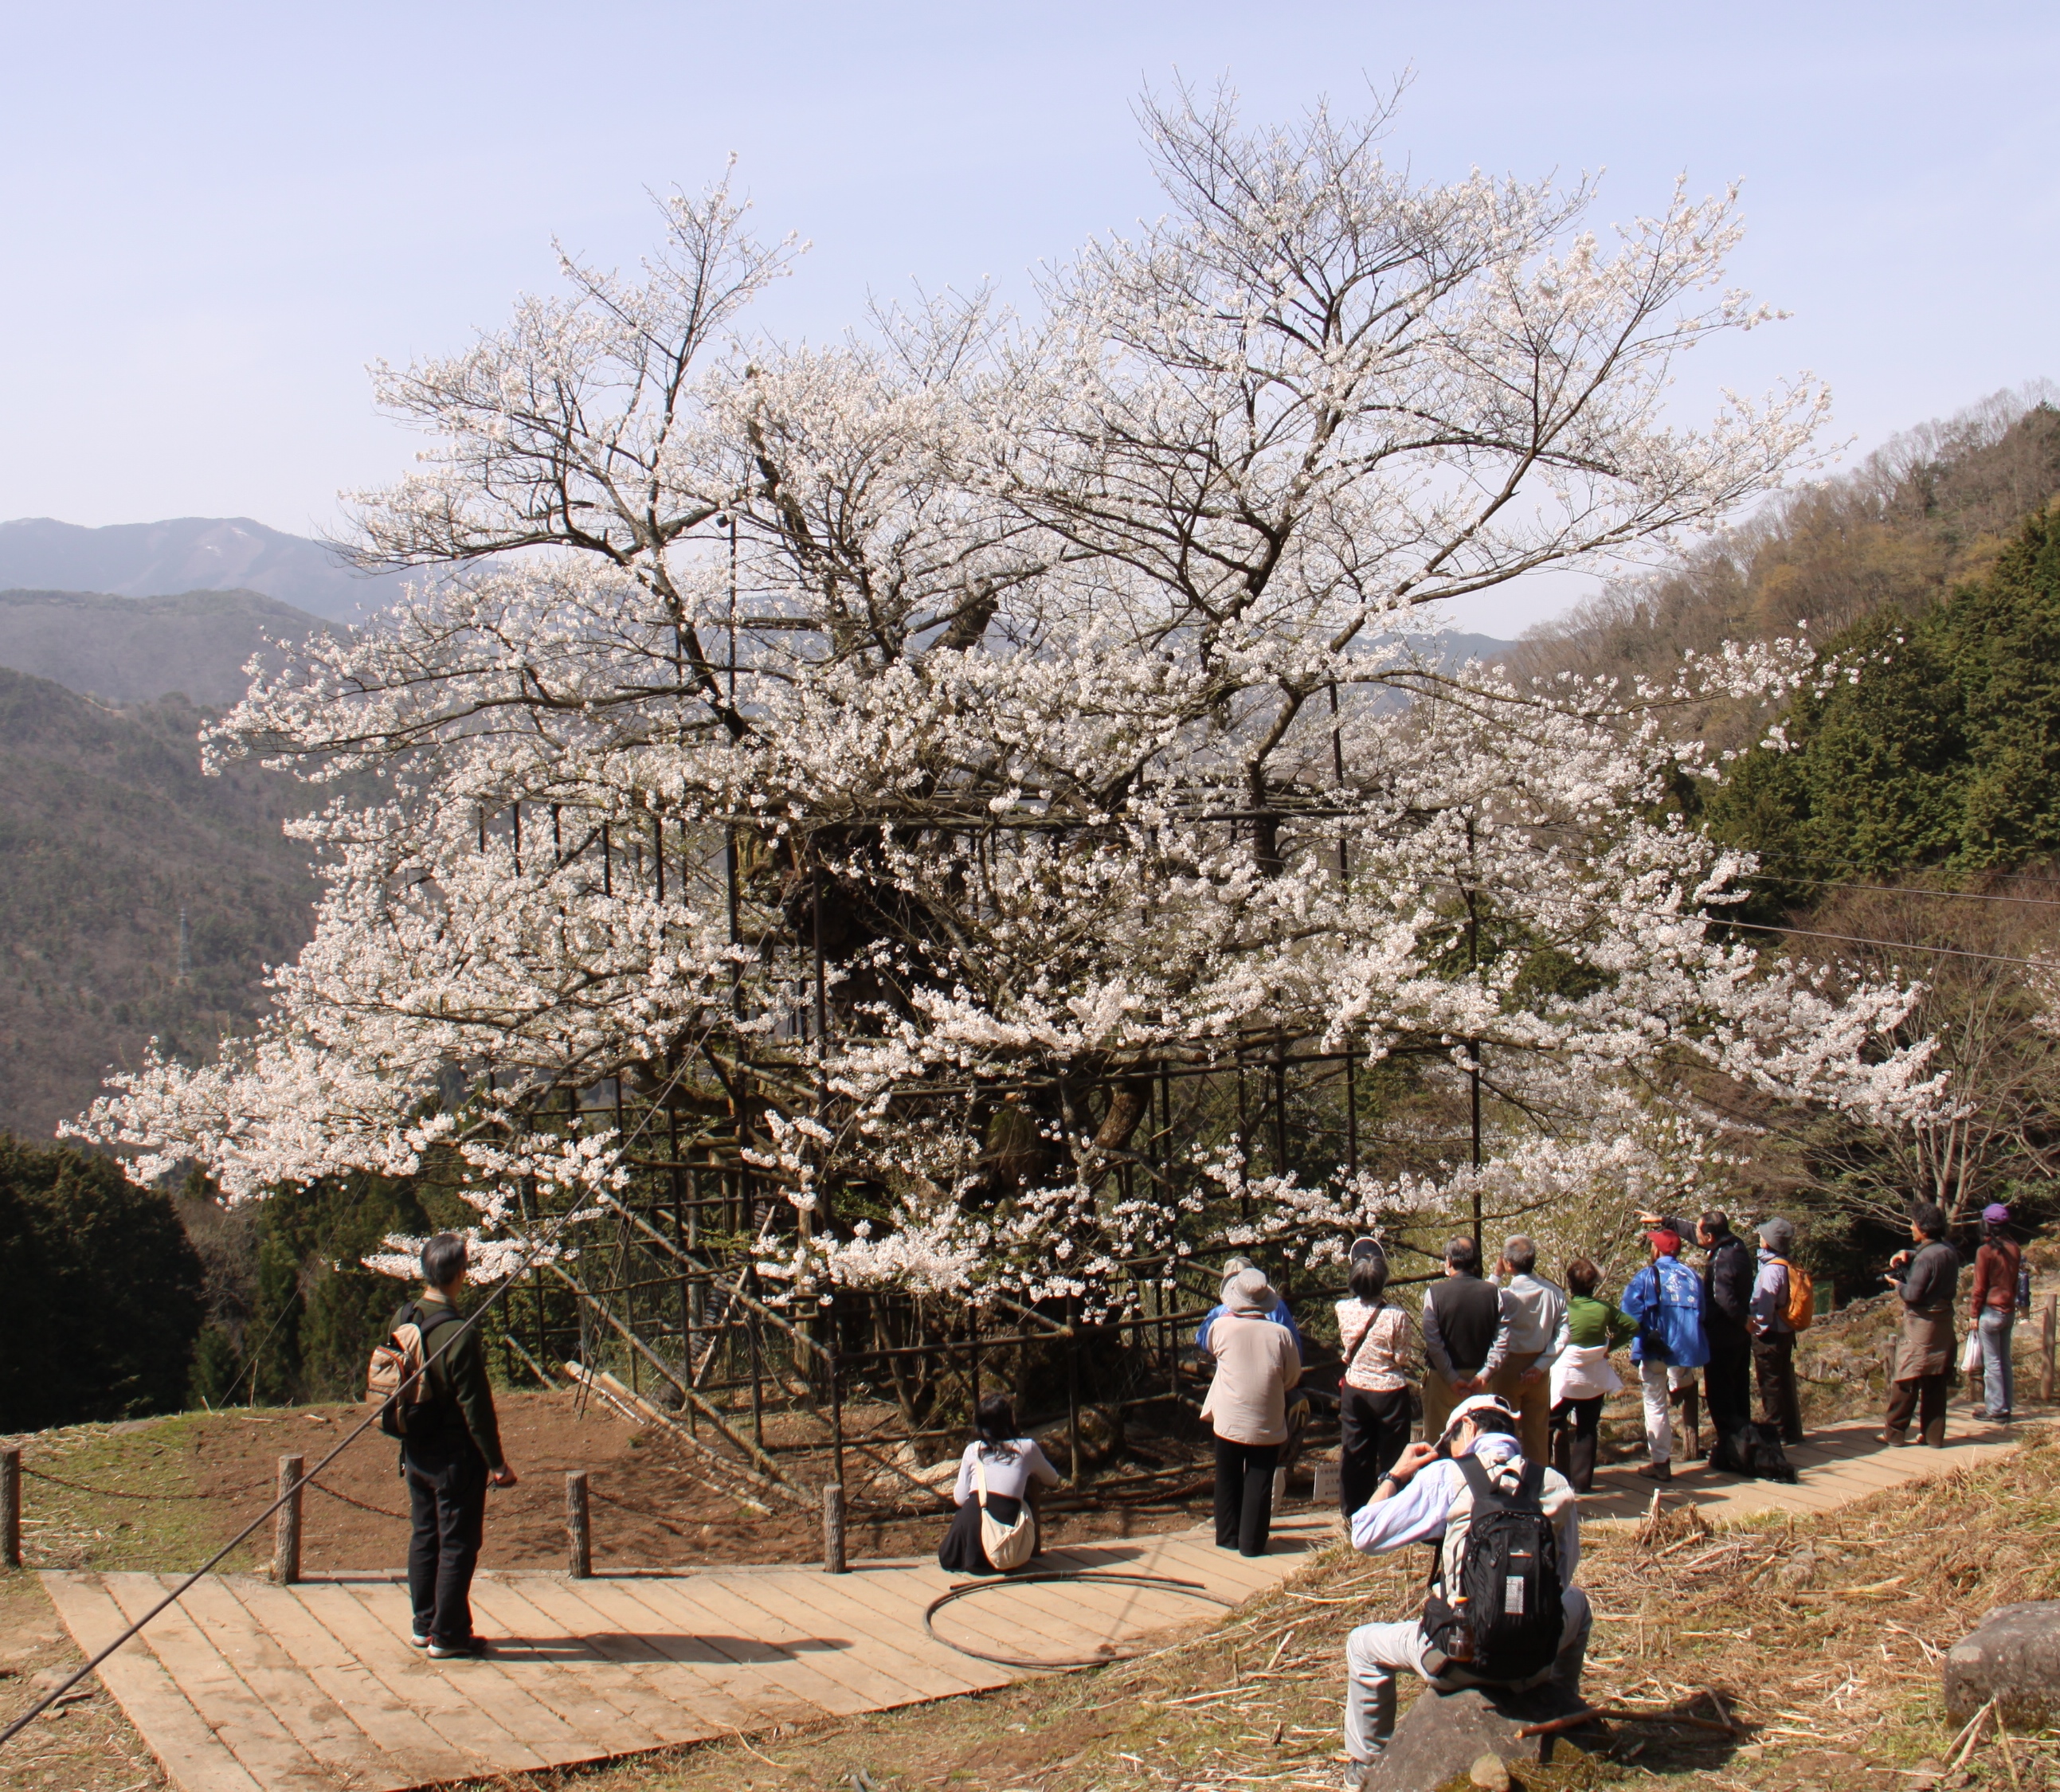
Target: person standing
(1466, 1335)
(1773, 1334)
(1929, 1285)
(449, 1453)
(1996, 1265)
(1282, 1313)
(1536, 1312)
(1432, 1495)
(1247, 1407)
(1373, 1393)
(1001, 1469)
(1728, 1274)
(1581, 1377)
(1665, 1300)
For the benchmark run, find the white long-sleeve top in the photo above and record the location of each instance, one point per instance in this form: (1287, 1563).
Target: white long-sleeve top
(1009, 1476)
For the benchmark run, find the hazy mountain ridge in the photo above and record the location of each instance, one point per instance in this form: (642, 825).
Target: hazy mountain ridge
(138, 649)
(107, 829)
(188, 554)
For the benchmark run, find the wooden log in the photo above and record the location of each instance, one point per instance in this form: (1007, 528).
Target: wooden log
(579, 1531)
(287, 1526)
(2046, 1323)
(11, 1507)
(833, 1558)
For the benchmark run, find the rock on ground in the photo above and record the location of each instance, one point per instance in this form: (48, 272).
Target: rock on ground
(2012, 1656)
(1444, 1735)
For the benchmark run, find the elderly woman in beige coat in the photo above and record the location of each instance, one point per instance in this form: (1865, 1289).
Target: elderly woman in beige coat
(1256, 1363)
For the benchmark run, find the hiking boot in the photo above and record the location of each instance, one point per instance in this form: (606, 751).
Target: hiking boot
(1658, 1472)
(1934, 1434)
(1891, 1435)
(1357, 1774)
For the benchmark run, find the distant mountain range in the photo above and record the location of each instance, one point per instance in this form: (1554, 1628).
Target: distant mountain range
(188, 553)
(138, 649)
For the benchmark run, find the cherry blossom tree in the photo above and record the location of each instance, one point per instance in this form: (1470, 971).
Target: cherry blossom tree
(901, 756)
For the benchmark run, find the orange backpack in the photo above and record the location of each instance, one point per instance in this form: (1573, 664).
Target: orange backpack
(1801, 1296)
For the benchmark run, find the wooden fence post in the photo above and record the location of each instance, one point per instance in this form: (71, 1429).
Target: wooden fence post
(286, 1533)
(11, 1507)
(579, 1534)
(2045, 1327)
(833, 1558)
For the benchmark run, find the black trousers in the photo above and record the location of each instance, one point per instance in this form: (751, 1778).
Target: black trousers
(447, 1502)
(1373, 1430)
(1774, 1360)
(1575, 1426)
(963, 1552)
(1727, 1381)
(1244, 1494)
(1926, 1398)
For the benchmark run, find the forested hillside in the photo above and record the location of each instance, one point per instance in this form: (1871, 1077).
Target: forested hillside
(1909, 826)
(107, 831)
(138, 649)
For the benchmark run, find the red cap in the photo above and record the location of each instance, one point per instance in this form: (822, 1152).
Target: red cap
(1669, 1243)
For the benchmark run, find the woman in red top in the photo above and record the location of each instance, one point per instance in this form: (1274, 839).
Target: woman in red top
(1995, 1308)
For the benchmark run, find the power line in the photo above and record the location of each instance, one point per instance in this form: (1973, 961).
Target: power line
(1889, 945)
(1908, 889)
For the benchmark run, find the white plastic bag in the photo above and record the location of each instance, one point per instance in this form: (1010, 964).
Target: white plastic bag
(1970, 1357)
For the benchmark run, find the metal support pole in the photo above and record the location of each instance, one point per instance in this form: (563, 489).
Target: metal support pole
(2048, 1318)
(1072, 1397)
(11, 1507)
(833, 1558)
(286, 1527)
(579, 1529)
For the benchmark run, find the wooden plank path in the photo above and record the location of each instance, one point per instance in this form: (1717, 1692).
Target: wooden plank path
(1839, 1464)
(249, 1687)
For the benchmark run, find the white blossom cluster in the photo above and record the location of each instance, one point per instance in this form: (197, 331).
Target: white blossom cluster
(1047, 678)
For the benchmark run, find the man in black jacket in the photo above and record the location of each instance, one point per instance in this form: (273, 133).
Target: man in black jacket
(449, 1452)
(1466, 1335)
(1728, 1275)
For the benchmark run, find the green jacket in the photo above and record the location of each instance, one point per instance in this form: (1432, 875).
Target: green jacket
(457, 1372)
(1590, 1321)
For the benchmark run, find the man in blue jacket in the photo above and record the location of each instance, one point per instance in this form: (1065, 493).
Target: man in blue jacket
(1665, 1298)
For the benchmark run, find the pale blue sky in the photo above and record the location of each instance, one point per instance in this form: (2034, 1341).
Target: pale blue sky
(214, 216)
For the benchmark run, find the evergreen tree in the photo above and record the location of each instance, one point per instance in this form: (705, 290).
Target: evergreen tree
(100, 1291)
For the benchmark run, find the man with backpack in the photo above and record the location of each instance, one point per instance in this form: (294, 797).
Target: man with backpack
(1781, 1307)
(450, 1450)
(1503, 1610)
(1666, 1299)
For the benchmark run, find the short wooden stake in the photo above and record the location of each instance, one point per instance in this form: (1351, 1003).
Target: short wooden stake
(11, 1507)
(286, 1533)
(1279, 1488)
(2046, 1329)
(833, 1558)
(579, 1533)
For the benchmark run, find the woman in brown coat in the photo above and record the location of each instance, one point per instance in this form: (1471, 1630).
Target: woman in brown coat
(1929, 1284)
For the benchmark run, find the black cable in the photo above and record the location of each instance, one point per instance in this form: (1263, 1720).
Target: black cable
(1192, 1590)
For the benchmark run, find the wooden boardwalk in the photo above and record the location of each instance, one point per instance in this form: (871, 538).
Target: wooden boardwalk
(1839, 1464)
(249, 1687)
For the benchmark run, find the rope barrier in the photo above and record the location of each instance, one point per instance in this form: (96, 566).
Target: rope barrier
(1188, 1589)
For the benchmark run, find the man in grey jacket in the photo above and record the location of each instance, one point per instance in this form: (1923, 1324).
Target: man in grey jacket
(1534, 1311)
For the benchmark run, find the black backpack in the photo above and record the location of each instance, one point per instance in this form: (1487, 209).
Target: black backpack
(1503, 1622)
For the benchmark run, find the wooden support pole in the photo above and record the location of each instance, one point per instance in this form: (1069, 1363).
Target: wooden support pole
(579, 1531)
(833, 1558)
(11, 1507)
(286, 1527)
(2046, 1320)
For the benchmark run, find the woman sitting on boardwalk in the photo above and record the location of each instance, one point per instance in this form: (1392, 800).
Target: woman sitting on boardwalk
(997, 1470)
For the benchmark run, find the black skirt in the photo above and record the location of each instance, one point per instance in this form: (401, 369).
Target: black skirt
(961, 1553)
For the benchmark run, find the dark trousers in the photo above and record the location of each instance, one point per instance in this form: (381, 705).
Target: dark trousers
(1774, 1358)
(447, 1501)
(1727, 1381)
(1575, 1425)
(1244, 1494)
(1372, 1429)
(1925, 1398)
